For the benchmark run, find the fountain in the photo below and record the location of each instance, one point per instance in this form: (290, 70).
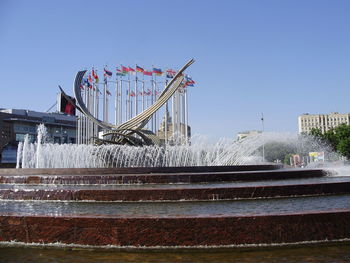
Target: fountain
(201, 195)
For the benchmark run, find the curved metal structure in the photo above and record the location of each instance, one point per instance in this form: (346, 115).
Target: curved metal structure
(131, 132)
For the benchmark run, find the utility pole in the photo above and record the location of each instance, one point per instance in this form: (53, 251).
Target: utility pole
(262, 133)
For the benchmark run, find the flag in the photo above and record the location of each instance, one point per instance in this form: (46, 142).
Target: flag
(170, 73)
(188, 78)
(84, 82)
(189, 81)
(139, 69)
(94, 74)
(119, 72)
(157, 71)
(131, 70)
(132, 94)
(125, 70)
(147, 73)
(90, 81)
(107, 91)
(107, 73)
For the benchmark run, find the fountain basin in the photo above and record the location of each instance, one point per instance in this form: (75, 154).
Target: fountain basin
(183, 207)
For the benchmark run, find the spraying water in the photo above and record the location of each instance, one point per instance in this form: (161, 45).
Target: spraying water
(42, 134)
(201, 152)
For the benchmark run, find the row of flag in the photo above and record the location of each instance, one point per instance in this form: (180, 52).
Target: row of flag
(123, 71)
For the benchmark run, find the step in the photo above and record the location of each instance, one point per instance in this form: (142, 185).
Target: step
(176, 208)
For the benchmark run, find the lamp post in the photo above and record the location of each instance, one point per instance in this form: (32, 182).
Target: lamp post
(262, 133)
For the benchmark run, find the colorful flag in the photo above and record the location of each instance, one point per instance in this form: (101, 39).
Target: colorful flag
(90, 81)
(125, 70)
(147, 73)
(170, 73)
(139, 69)
(85, 82)
(157, 71)
(94, 74)
(119, 72)
(107, 73)
(131, 69)
(189, 81)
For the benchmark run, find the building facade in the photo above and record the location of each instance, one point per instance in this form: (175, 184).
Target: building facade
(16, 123)
(167, 135)
(324, 122)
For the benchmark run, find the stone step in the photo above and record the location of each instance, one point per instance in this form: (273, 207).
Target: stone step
(176, 208)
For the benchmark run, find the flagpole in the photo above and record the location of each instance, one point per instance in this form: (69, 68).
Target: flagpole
(186, 117)
(121, 102)
(129, 100)
(166, 119)
(107, 102)
(173, 113)
(87, 124)
(143, 92)
(90, 107)
(126, 104)
(83, 118)
(178, 119)
(136, 93)
(152, 94)
(93, 97)
(97, 108)
(156, 113)
(116, 116)
(263, 129)
(183, 106)
(104, 101)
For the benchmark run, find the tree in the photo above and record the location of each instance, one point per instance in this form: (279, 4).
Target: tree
(338, 138)
(278, 151)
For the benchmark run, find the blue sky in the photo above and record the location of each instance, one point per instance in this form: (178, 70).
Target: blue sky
(282, 58)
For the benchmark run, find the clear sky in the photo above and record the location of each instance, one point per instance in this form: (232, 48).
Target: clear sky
(282, 58)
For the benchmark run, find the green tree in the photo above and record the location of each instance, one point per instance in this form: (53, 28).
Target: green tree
(338, 138)
(278, 151)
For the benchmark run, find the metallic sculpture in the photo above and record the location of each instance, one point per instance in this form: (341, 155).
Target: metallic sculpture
(131, 132)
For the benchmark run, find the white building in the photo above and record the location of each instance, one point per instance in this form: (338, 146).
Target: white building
(324, 122)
